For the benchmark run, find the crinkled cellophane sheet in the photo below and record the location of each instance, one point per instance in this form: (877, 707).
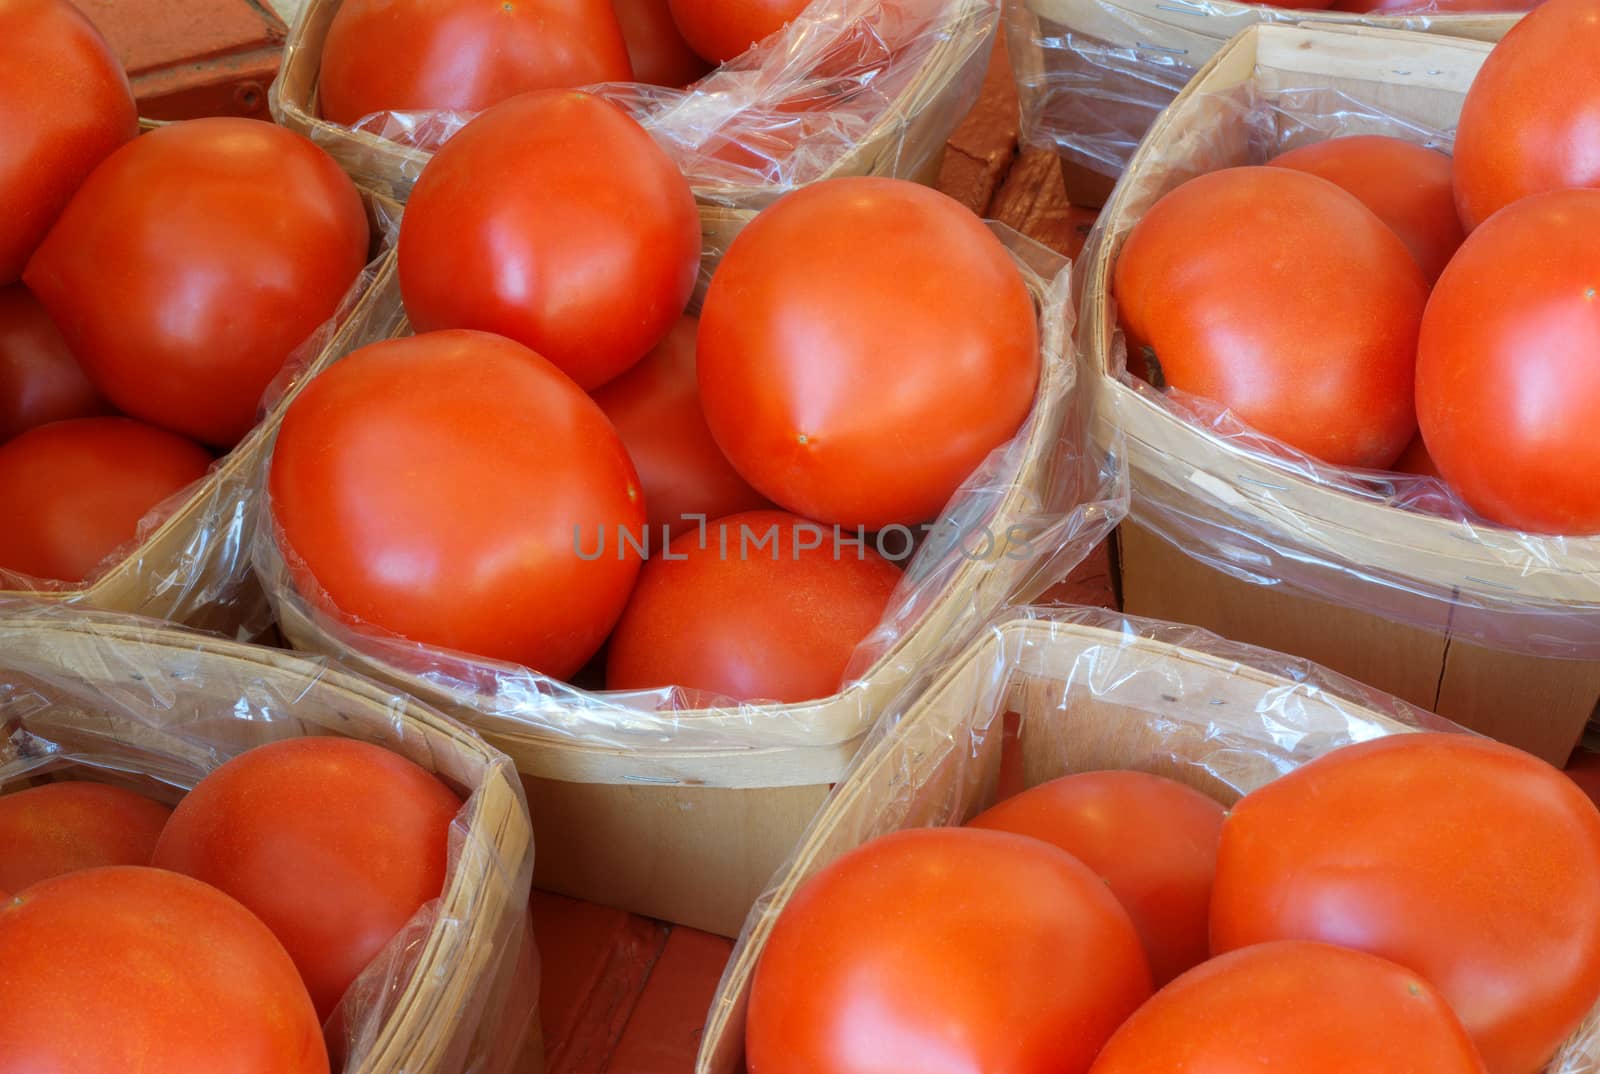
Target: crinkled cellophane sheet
(124, 700)
(1092, 690)
(1095, 74)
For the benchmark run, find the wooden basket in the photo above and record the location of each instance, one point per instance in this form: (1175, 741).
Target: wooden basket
(1172, 701)
(641, 811)
(1431, 610)
(193, 567)
(1095, 74)
(138, 701)
(905, 141)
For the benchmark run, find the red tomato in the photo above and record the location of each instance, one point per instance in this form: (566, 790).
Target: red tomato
(463, 55)
(719, 30)
(75, 491)
(334, 844)
(40, 380)
(660, 55)
(1407, 185)
(132, 969)
(66, 103)
(1309, 1008)
(1466, 861)
(655, 407)
(1154, 841)
(950, 950)
(1416, 460)
(448, 488)
(67, 827)
(1508, 389)
(1262, 323)
(553, 219)
(1531, 122)
(183, 308)
(763, 607)
(842, 377)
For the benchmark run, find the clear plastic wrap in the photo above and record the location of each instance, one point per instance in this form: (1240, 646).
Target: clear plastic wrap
(1090, 690)
(145, 705)
(1020, 523)
(1399, 546)
(1094, 74)
(851, 87)
(190, 561)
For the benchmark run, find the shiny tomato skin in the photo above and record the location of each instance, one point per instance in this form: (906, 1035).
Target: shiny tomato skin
(182, 307)
(847, 377)
(1410, 187)
(1153, 840)
(463, 55)
(67, 104)
(1507, 358)
(719, 30)
(778, 622)
(1464, 860)
(76, 491)
(1310, 1008)
(40, 380)
(128, 968)
(66, 827)
(656, 48)
(1262, 323)
(448, 488)
(1531, 121)
(333, 843)
(655, 407)
(554, 220)
(948, 949)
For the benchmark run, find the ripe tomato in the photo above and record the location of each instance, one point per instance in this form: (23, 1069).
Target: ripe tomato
(66, 827)
(193, 261)
(1154, 841)
(553, 219)
(1466, 861)
(1262, 323)
(1531, 122)
(127, 969)
(334, 844)
(1507, 361)
(1309, 1008)
(656, 48)
(955, 950)
(843, 378)
(66, 103)
(719, 30)
(40, 380)
(1416, 460)
(446, 487)
(762, 607)
(76, 490)
(1408, 186)
(463, 55)
(655, 407)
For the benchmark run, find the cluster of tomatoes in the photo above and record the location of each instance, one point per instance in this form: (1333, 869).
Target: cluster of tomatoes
(559, 455)
(1423, 902)
(1355, 289)
(466, 55)
(164, 281)
(222, 935)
